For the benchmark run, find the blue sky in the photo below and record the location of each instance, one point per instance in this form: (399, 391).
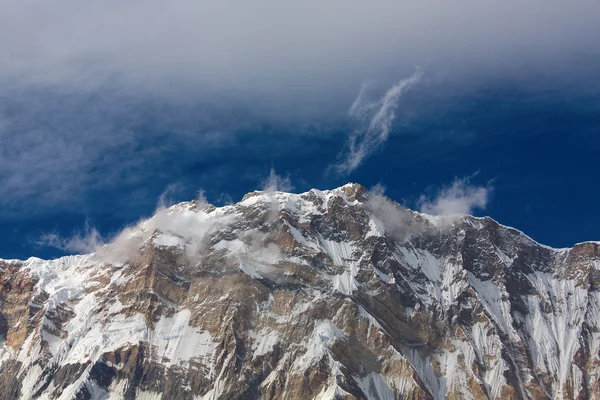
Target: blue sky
(100, 119)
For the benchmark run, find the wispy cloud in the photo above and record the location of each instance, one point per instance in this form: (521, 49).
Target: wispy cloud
(362, 105)
(61, 148)
(86, 241)
(396, 219)
(165, 200)
(125, 245)
(277, 183)
(458, 198)
(364, 141)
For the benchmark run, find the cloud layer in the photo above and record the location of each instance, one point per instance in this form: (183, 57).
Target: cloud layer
(266, 43)
(91, 93)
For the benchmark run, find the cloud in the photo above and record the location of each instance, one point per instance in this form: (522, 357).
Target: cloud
(165, 200)
(396, 219)
(459, 198)
(62, 148)
(87, 241)
(361, 106)
(190, 227)
(267, 43)
(112, 91)
(277, 183)
(57, 146)
(201, 198)
(363, 142)
(125, 244)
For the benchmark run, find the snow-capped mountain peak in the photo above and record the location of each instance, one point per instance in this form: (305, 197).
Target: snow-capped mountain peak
(328, 294)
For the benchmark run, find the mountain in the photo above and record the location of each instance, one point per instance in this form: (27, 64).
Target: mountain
(339, 294)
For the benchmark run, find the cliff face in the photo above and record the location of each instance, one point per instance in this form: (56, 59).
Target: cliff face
(321, 295)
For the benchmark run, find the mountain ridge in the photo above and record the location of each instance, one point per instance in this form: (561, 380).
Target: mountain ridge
(325, 294)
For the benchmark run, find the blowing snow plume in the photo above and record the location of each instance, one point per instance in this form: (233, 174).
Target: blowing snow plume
(379, 116)
(459, 198)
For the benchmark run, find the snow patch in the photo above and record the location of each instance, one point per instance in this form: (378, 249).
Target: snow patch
(324, 334)
(264, 341)
(381, 387)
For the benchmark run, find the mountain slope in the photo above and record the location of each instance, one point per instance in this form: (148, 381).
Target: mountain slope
(323, 295)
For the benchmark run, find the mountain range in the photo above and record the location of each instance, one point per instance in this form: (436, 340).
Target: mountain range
(336, 294)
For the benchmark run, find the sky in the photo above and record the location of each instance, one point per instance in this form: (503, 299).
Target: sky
(108, 108)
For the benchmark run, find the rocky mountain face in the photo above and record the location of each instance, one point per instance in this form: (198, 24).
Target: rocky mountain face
(339, 294)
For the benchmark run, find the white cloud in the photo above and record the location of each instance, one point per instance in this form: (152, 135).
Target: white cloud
(395, 218)
(266, 42)
(57, 146)
(190, 227)
(87, 241)
(459, 198)
(277, 183)
(164, 200)
(361, 106)
(201, 198)
(125, 243)
(363, 142)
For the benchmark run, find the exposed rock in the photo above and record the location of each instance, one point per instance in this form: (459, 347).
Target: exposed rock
(337, 294)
